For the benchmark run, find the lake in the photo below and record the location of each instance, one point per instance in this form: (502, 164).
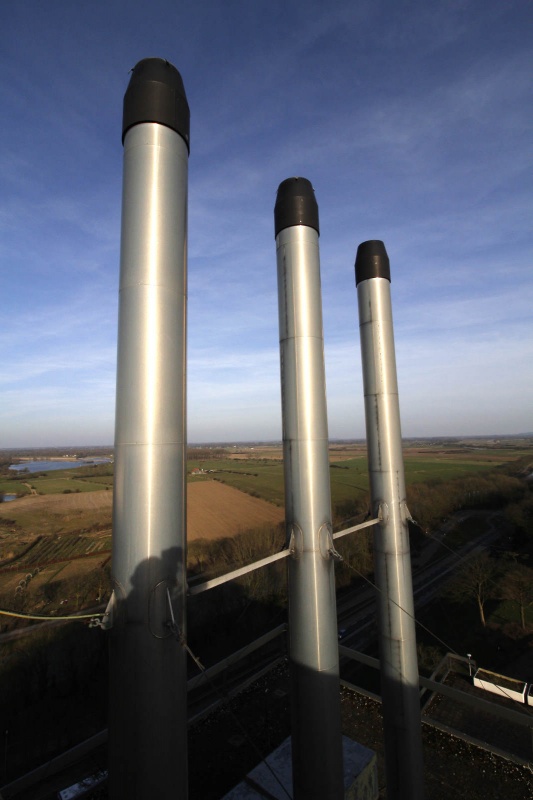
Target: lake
(45, 466)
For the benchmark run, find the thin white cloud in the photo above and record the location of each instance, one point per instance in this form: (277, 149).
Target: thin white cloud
(418, 135)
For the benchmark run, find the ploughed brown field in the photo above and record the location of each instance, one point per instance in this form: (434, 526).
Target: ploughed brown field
(213, 510)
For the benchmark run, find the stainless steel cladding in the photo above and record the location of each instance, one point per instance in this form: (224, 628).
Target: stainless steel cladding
(147, 725)
(392, 560)
(316, 730)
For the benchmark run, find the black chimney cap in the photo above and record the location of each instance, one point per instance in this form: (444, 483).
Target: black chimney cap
(295, 205)
(156, 93)
(371, 261)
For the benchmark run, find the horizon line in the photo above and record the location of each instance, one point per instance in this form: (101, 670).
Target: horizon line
(278, 442)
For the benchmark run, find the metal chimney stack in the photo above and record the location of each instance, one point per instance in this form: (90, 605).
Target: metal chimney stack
(314, 654)
(392, 559)
(148, 699)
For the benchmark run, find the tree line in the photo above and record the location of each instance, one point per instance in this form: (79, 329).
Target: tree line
(48, 673)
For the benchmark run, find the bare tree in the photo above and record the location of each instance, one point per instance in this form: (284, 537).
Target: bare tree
(517, 586)
(251, 546)
(476, 580)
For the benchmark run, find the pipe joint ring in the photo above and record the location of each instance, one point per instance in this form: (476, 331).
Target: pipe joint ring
(383, 513)
(325, 540)
(296, 540)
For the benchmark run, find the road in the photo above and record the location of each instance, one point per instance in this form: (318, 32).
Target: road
(356, 616)
(356, 613)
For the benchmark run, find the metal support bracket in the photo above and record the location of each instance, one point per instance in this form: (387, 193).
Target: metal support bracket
(106, 622)
(172, 625)
(383, 513)
(325, 542)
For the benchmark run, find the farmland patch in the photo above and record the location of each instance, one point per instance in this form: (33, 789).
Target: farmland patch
(59, 513)
(215, 510)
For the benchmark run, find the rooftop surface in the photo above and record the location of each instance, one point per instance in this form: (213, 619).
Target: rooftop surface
(221, 750)
(230, 741)
(485, 727)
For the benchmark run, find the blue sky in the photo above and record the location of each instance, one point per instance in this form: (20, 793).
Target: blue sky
(413, 120)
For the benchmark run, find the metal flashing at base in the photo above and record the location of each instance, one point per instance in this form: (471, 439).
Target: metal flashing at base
(272, 778)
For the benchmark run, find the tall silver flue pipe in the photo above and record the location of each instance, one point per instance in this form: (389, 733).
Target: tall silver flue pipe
(148, 698)
(314, 659)
(392, 559)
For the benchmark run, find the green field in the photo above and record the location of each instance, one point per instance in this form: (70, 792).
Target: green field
(349, 479)
(56, 485)
(263, 477)
(80, 479)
